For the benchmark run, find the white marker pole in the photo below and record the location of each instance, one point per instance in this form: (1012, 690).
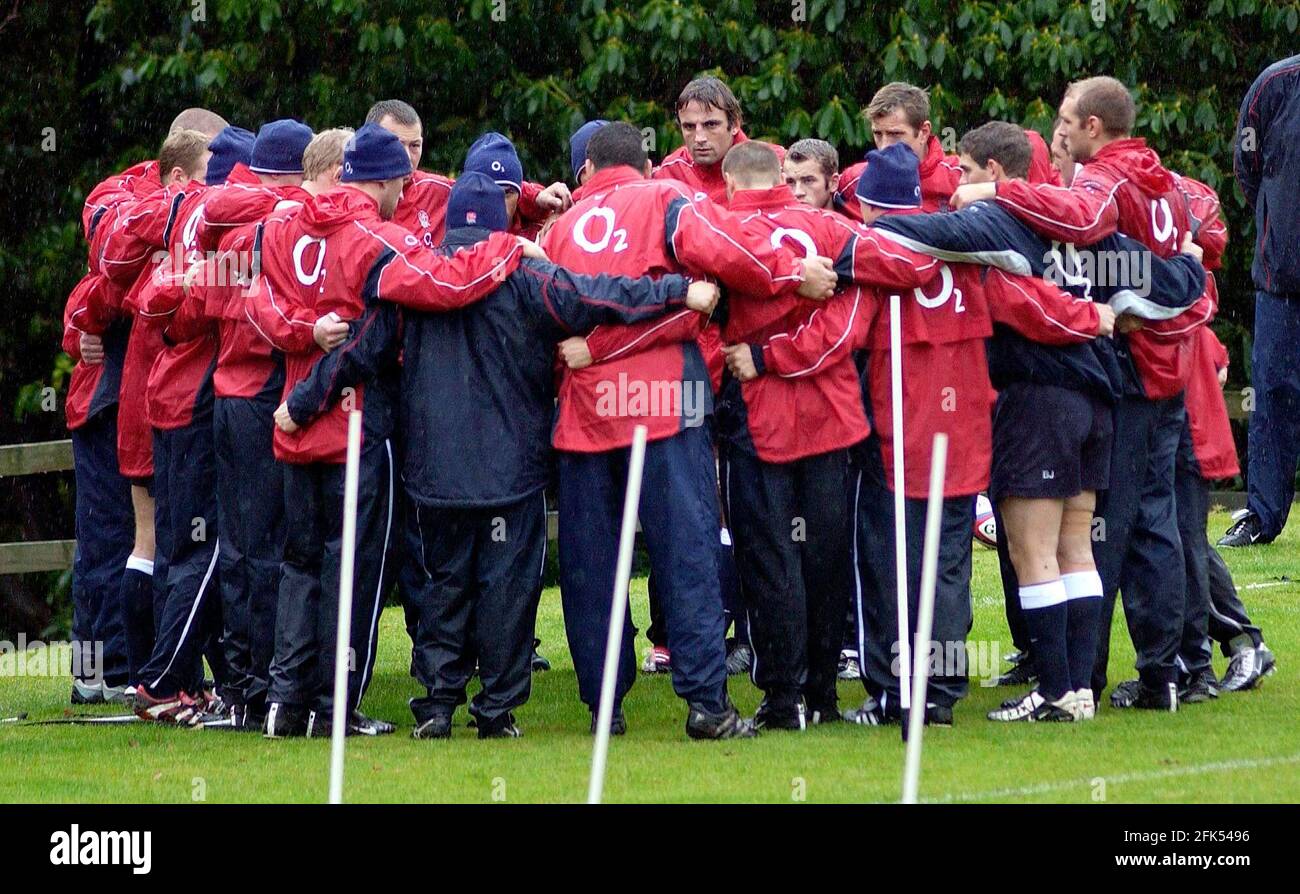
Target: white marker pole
(925, 619)
(617, 615)
(900, 508)
(344, 638)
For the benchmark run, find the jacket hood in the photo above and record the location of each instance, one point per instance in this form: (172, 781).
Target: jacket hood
(1137, 161)
(245, 199)
(1041, 169)
(329, 211)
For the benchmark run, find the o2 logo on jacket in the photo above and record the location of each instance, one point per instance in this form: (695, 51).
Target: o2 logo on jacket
(1066, 268)
(947, 289)
(607, 232)
(191, 229)
(1164, 229)
(299, 248)
(780, 234)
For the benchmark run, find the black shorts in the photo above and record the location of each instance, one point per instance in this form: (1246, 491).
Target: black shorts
(1049, 443)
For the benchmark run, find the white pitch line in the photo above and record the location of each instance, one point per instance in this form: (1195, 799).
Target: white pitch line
(1118, 779)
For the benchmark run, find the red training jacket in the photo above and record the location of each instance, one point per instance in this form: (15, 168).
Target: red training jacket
(939, 173)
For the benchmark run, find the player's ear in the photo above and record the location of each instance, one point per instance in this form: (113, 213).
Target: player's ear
(834, 182)
(995, 168)
(648, 168)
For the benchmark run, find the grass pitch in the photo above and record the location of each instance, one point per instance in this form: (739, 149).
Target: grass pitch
(1241, 748)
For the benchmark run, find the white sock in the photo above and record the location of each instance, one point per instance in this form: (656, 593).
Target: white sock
(1082, 585)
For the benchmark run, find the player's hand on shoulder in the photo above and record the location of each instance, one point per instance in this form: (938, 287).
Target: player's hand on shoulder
(740, 360)
(819, 279)
(283, 420)
(555, 197)
(1105, 319)
(575, 353)
(532, 249)
(702, 296)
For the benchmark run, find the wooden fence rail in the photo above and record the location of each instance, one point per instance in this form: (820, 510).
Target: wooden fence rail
(56, 456)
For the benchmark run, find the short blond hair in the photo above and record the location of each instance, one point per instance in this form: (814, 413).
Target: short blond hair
(183, 149)
(1107, 100)
(324, 151)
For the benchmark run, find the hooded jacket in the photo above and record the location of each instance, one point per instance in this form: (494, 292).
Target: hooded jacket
(337, 255)
(94, 306)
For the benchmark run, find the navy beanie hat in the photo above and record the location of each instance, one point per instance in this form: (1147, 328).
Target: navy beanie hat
(373, 153)
(279, 146)
(578, 144)
(494, 155)
(892, 178)
(230, 147)
(477, 201)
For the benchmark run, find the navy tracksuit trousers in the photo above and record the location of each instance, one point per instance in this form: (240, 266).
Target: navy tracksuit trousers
(875, 587)
(679, 522)
(791, 525)
(1273, 447)
(105, 531)
(1228, 617)
(186, 531)
(1138, 550)
(1192, 493)
(306, 623)
(250, 503)
(728, 583)
(483, 567)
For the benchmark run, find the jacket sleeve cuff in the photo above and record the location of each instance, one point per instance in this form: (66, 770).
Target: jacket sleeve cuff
(760, 361)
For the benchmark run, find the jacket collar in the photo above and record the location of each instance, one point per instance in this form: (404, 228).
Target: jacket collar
(773, 199)
(462, 236)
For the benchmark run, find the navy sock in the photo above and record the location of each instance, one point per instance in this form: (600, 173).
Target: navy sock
(1046, 617)
(1083, 607)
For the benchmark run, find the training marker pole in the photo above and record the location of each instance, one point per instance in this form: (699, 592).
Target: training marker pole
(900, 508)
(617, 615)
(925, 619)
(337, 733)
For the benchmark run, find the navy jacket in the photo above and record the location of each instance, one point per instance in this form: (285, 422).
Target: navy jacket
(1147, 286)
(477, 396)
(1266, 161)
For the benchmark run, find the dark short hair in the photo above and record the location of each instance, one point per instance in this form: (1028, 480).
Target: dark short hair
(819, 151)
(1002, 141)
(617, 143)
(710, 91)
(1108, 100)
(401, 112)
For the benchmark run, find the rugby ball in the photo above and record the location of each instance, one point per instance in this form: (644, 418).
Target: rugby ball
(985, 527)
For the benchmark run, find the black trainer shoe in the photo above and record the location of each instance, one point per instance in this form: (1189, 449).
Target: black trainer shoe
(869, 713)
(87, 693)
(727, 724)
(740, 658)
(1243, 671)
(790, 716)
(361, 725)
(617, 723)
(284, 721)
(436, 727)
(824, 714)
(1022, 673)
(938, 715)
(232, 719)
(1136, 694)
(1034, 708)
(1266, 661)
(539, 660)
(502, 727)
(1246, 530)
(849, 667)
(1197, 688)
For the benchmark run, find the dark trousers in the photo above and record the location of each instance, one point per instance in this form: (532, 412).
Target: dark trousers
(306, 621)
(1192, 493)
(410, 576)
(484, 573)
(679, 523)
(791, 525)
(1274, 443)
(105, 531)
(1138, 550)
(732, 606)
(186, 532)
(250, 503)
(1228, 617)
(876, 585)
